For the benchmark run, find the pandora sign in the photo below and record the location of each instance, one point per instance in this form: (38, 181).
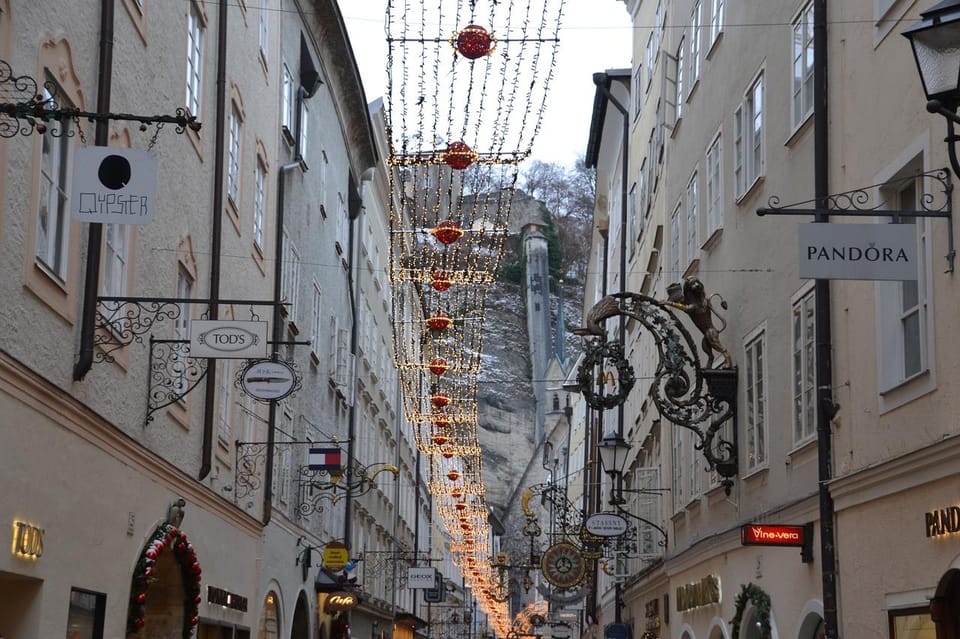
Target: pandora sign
(858, 251)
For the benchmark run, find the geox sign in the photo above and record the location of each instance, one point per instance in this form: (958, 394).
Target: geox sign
(858, 251)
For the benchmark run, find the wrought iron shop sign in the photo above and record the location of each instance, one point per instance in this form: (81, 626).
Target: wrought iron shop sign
(697, 595)
(606, 525)
(944, 521)
(268, 380)
(858, 251)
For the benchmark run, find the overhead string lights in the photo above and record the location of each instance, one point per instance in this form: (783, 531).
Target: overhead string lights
(466, 94)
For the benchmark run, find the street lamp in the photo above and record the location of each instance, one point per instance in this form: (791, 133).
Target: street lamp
(936, 49)
(613, 455)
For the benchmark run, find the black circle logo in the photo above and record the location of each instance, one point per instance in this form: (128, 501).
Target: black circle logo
(114, 172)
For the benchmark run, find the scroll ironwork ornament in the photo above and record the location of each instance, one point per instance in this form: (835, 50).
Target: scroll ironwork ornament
(686, 392)
(251, 466)
(173, 374)
(319, 486)
(121, 322)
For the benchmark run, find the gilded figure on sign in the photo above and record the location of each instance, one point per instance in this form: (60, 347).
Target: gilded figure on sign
(694, 302)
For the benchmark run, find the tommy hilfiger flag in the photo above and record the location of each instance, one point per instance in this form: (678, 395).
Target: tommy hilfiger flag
(327, 459)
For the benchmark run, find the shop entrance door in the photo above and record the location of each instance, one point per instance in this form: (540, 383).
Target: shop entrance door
(945, 606)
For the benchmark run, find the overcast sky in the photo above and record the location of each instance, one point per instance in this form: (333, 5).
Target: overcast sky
(594, 36)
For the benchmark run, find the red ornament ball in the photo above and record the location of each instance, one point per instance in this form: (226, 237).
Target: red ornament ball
(151, 553)
(147, 571)
(440, 281)
(447, 232)
(142, 597)
(138, 622)
(194, 621)
(195, 568)
(198, 599)
(459, 156)
(474, 42)
(438, 366)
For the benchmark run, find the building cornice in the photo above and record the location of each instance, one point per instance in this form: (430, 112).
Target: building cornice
(931, 463)
(40, 395)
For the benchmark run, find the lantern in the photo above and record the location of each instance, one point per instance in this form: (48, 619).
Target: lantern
(438, 366)
(439, 322)
(447, 232)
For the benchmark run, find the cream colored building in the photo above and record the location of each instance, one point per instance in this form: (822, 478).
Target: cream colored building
(728, 89)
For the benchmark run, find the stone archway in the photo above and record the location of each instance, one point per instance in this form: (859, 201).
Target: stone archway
(945, 605)
(301, 619)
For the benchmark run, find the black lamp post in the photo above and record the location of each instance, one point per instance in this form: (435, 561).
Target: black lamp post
(936, 48)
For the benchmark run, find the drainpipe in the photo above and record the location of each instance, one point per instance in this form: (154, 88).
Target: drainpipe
(210, 390)
(826, 409)
(95, 231)
(354, 339)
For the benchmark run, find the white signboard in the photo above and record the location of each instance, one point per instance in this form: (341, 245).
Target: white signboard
(113, 185)
(268, 380)
(421, 577)
(606, 525)
(858, 251)
(228, 339)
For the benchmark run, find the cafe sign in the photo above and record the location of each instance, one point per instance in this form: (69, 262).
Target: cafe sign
(341, 601)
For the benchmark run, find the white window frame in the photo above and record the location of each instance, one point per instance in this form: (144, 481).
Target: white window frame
(637, 93)
(803, 352)
(290, 277)
(716, 20)
(233, 155)
(650, 54)
(680, 95)
(302, 133)
(696, 37)
(286, 100)
(693, 217)
(116, 249)
(195, 44)
(714, 186)
(676, 250)
(264, 27)
(661, 25)
(53, 222)
(316, 317)
(802, 43)
(678, 458)
(748, 146)
(755, 405)
(632, 207)
(259, 203)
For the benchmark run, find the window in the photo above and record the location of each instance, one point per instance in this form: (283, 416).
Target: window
(716, 19)
(283, 456)
(661, 21)
(233, 156)
(632, 238)
(748, 138)
(182, 327)
(693, 221)
(714, 195)
(225, 414)
(290, 277)
(903, 312)
(53, 224)
(695, 37)
(678, 463)
(302, 133)
(195, 29)
(323, 183)
(696, 468)
(804, 367)
(650, 49)
(315, 320)
(259, 204)
(644, 203)
(675, 234)
(680, 80)
(803, 66)
(86, 614)
(264, 14)
(342, 224)
(115, 257)
(912, 623)
(286, 100)
(637, 94)
(756, 401)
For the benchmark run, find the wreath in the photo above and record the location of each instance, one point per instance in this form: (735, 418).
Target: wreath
(594, 356)
(166, 536)
(760, 601)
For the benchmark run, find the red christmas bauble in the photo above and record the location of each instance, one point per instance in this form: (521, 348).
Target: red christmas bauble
(440, 281)
(438, 366)
(147, 571)
(440, 400)
(440, 420)
(180, 547)
(447, 454)
(460, 505)
(142, 597)
(194, 621)
(151, 553)
(447, 232)
(459, 156)
(198, 599)
(439, 322)
(453, 475)
(138, 622)
(196, 569)
(474, 42)
(439, 440)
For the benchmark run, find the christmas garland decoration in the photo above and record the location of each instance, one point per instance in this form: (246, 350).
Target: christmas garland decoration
(760, 601)
(166, 536)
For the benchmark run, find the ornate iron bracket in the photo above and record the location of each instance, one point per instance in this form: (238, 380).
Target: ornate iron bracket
(319, 486)
(686, 393)
(935, 201)
(173, 373)
(24, 108)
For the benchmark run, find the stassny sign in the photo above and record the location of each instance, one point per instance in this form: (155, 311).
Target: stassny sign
(858, 251)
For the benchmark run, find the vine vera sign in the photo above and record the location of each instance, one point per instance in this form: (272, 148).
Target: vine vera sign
(606, 525)
(858, 251)
(228, 339)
